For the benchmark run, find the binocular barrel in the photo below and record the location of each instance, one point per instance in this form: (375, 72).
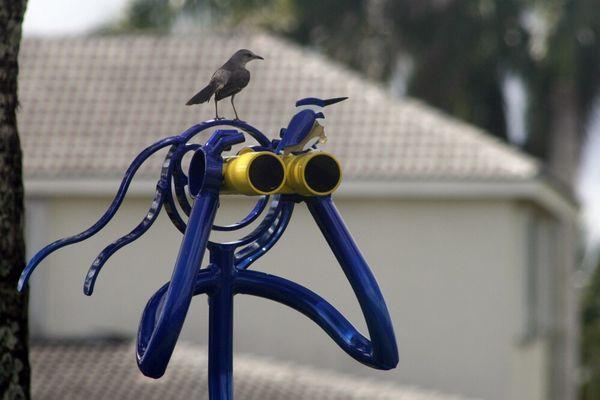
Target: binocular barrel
(312, 174)
(252, 173)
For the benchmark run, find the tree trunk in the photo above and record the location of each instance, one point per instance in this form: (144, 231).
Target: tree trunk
(565, 133)
(14, 363)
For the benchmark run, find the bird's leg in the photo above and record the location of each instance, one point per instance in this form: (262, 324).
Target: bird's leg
(216, 109)
(233, 105)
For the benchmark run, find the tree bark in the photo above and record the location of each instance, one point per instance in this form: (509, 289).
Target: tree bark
(14, 363)
(565, 130)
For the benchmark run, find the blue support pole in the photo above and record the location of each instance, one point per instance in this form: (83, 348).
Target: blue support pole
(220, 326)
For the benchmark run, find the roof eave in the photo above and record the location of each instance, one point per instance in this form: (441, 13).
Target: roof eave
(537, 190)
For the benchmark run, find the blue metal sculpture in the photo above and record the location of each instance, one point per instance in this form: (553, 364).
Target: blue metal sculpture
(291, 169)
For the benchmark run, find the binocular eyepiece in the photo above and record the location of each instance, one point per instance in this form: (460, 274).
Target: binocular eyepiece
(254, 173)
(315, 173)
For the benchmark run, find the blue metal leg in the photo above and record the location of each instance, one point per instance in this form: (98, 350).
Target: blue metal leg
(157, 341)
(220, 331)
(361, 279)
(314, 307)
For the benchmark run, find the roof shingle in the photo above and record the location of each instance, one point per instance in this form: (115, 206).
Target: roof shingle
(106, 370)
(89, 105)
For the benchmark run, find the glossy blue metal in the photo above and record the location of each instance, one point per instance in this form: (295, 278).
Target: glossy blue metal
(138, 231)
(317, 309)
(179, 183)
(300, 125)
(156, 346)
(180, 179)
(248, 219)
(313, 101)
(384, 351)
(101, 223)
(178, 140)
(227, 273)
(264, 239)
(220, 326)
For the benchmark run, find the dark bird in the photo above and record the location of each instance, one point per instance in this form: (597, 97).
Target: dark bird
(227, 81)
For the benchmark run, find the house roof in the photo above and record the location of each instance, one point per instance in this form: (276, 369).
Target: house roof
(89, 105)
(102, 370)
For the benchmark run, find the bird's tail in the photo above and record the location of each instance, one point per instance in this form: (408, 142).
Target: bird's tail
(203, 96)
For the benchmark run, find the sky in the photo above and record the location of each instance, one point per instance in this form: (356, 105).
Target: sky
(58, 17)
(68, 17)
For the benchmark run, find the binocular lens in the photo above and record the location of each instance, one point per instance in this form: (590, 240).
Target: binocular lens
(266, 173)
(322, 173)
(313, 174)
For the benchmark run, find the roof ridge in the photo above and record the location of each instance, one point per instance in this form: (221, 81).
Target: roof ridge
(376, 87)
(113, 95)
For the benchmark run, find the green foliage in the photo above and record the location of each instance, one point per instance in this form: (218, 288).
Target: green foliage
(569, 61)
(149, 14)
(462, 52)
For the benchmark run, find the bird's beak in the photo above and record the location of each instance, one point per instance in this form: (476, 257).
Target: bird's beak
(258, 57)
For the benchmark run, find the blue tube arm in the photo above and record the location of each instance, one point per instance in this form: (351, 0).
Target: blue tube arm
(205, 282)
(162, 189)
(311, 305)
(108, 214)
(358, 273)
(249, 254)
(157, 341)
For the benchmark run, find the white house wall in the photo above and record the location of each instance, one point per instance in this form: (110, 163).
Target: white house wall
(451, 272)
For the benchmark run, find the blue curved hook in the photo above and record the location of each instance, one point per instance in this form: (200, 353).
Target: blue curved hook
(267, 221)
(249, 254)
(175, 154)
(248, 219)
(180, 180)
(155, 359)
(108, 214)
(158, 337)
(317, 309)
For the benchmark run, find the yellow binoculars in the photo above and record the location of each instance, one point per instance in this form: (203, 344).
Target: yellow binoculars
(252, 173)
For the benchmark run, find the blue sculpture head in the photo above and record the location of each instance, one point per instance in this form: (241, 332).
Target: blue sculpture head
(228, 272)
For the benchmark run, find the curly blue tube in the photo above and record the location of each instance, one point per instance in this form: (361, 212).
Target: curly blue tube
(162, 187)
(179, 181)
(314, 307)
(110, 212)
(248, 219)
(358, 273)
(157, 337)
(249, 254)
(265, 225)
